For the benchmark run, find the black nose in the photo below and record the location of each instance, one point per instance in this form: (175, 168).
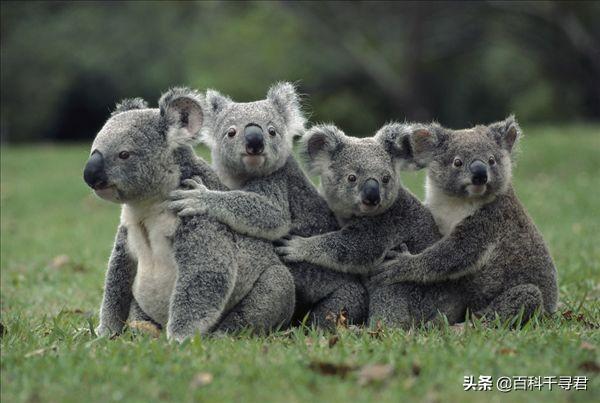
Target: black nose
(478, 169)
(93, 173)
(255, 141)
(370, 193)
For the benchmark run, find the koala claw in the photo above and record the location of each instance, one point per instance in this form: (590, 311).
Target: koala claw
(391, 255)
(186, 207)
(280, 242)
(291, 248)
(194, 183)
(191, 211)
(403, 248)
(285, 253)
(177, 338)
(104, 331)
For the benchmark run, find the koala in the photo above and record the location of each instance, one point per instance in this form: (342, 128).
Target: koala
(489, 242)
(270, 196)
(186, 274)
(360, 180)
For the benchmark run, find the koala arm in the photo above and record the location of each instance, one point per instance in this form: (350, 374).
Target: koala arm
(463, 251)
(260, 210)
(357, 248)
(207, 270)
(118, 284)
(209, 177)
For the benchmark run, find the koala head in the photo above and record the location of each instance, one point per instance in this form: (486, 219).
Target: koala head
(133, 157)
(359, 176)
(254, 138)
(471, 163)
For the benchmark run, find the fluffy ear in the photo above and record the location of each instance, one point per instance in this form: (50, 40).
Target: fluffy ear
(318, 145)
(286, 101)
(506, 133)
(182, 109)
(216, 101)
(412, 145)
(129, 104)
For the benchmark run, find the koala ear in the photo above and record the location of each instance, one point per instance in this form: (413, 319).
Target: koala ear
(506, 133)
(286, 101)
(412, 145)
(318, 145)
(182, 109)
(216, 101)
(129, 104)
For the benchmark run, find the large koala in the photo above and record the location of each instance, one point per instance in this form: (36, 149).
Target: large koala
(489, 242)
(188, 274)
(360, 178)
(251, 147)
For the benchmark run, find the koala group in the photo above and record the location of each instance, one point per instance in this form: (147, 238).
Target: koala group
(489, 242)
(471, 247)
(270, 196)
(197, 246)
(187, 274)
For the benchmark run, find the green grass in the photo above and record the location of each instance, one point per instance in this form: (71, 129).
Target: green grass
(48, 353)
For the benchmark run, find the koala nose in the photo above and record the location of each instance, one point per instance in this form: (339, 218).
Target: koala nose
(478, 169)
(93, 173)
(370, 192)
(255, 141)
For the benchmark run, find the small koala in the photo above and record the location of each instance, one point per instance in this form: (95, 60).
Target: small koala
(489, 242)
(360, 179)
(192, 274)
(270, 196)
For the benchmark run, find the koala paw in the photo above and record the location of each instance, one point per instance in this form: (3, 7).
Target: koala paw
(104, 331)
(391, 255)
(291, 248)
(400, 250)
(191, 201)
(180, 334)
(177, 337)
(193, 183)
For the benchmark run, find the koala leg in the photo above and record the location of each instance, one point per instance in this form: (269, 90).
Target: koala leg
(207, 269)
(408, 304)
(508, 305)
(350, 297)
(269, 304)
(392, 305)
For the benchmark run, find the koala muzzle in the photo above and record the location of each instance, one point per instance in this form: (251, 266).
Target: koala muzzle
(255, 141)
(370, 194)
(93, 173)
(479, 172)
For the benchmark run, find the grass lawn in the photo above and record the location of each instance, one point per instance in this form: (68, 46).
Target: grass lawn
(56, 239)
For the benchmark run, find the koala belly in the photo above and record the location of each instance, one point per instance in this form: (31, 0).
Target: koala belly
(150, 242)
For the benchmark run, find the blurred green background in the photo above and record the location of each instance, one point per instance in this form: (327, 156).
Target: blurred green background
(64, 65)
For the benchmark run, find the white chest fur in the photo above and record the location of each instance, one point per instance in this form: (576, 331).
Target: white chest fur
(447, 210)
(149, 233)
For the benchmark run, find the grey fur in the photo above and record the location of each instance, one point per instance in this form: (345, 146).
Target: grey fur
(273, 197)
(190, 274)
(369, 236)
(490, 244)
(129, 104)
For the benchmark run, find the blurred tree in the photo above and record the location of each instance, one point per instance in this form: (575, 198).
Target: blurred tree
(65, 65)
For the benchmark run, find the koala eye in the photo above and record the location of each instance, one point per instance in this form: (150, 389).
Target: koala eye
(231, 131)
(124, 155)
(386, 179)
(272, 131)
(351, 178)
(492, 160)
(457, 162)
